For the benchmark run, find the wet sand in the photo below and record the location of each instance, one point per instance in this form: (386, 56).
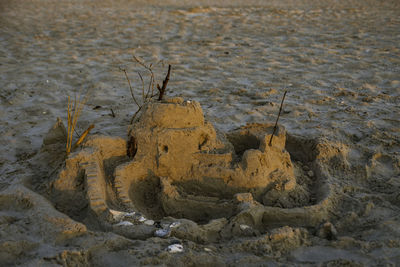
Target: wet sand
(339, 62)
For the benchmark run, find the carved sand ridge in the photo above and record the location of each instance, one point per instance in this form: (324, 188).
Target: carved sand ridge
(184, 169)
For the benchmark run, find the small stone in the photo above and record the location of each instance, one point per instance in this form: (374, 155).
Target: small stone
(130, 214)
(207, 249)
(244, 227)
(310, 174)
(142, 219)
(175, 248)
(162, 233)
(306, 168)
(149, 222)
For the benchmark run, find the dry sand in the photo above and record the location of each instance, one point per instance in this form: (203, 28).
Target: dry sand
(339, 61)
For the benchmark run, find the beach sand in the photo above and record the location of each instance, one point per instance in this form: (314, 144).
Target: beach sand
(338, 60)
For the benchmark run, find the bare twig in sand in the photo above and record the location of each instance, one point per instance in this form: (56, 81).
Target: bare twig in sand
(130, 87)
(149, 94)
(143, 96)
(149, 68)
(276, 122)
(134, 115)
(164, 86)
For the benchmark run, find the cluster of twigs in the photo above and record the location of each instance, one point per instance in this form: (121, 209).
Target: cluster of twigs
(74, 110)
(147, 94)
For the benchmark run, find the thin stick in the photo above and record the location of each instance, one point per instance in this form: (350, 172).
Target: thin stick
(130, 87)
(134, 115)
(276, 122)
(151, 85)
(141, 78)
(149, 68)
(77, 133)
(164, 85)
(69, 123)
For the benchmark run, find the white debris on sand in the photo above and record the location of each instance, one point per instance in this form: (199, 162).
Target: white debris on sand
(244, 227)
(175, 248)
(174, 224)
(149, 222)
(124, 223)
(162, 233)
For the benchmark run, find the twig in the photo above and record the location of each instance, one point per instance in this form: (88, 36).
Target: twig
(77, 133)
(146, 97)
(149, 68)
(134, 115)
(141, 78)
(130, 87)
(151, 85)
(112, 113)
(164, 86)
(276, 122)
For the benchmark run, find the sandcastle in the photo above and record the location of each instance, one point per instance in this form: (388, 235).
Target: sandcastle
(181, 167)
(197, 168)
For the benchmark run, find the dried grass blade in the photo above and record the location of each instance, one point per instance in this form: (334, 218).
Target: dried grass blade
(69, 124)
(83, 136)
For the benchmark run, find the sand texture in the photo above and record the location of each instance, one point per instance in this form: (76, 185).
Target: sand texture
(201, 186)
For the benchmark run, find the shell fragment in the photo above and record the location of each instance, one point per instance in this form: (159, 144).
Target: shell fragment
(175, 248)
(162, 233)
(148, 222)
(174, 224)
(124, 223)
(244, 227)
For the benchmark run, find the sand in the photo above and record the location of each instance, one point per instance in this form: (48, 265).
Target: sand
(338, 60)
